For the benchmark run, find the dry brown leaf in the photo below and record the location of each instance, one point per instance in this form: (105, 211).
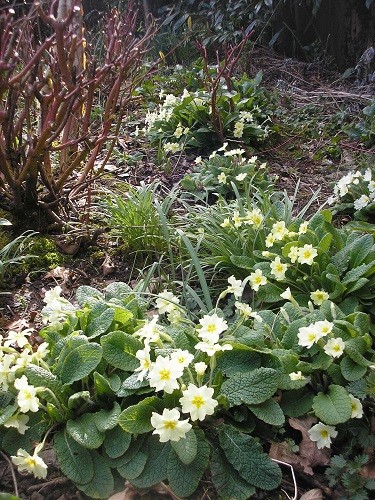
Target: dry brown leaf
(108, 267)
(59, 272)
(310, 456)
(368, 471)
(282, 452)
(315, 494)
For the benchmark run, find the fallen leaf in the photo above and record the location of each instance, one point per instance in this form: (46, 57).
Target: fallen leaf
(310, 456)
(108, 266)
(59, 272)
(368, 471)
(315, 494)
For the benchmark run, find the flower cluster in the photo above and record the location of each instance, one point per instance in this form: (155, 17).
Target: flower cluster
(354, 190)
(310, 335)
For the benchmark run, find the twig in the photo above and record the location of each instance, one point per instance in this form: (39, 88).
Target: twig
(293, 476)
(12, 472)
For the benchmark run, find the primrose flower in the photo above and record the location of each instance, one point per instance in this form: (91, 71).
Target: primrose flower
(198, 160)
(198, 401)
(303, 228)
(164, 373)
(279, 230)
(278, 269)
(238, 129)
(168, 425)
(225, 223)
(254, 217)
(41, 352)
(182, 357)
(296, 376)
(361, 202)
(222, 178)
(26, 398)
(257, 279)
(235, 287)
(179, 131)
(17, 338)
(172, 147)
(318, 297)
(236, 219)
(149, 331)
(211, 328)
(293, 254)
(56, 308)
(30, 463)
(18, 422)
(308, 336)
(324, 327)
(306, 254)
(246, 310)
(357, 409)
(270, 240)
(212, 349)
(166, 302)
(143, 355)
(175, 316)
(334, 347)
(200, 368)
(223, 147)
(241, 177)
(287, 295)
(322, 434)
(7, 375)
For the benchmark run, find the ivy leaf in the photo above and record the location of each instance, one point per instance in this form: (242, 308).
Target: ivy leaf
(156, 466)
(119, 350)
(251, 388)
(84, 431)
(269, 411)
(117, 442)
(227, 481)
(102, 482)
(334, 407)
(71, 456)
(136, 419)
(100, 324)
(184, 478)
(247, 457)
(79, 362)
(186, 448)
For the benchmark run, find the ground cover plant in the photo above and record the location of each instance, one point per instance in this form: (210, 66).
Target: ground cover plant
(239, 363)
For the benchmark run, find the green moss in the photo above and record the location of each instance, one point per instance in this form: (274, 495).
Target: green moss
(46, 256)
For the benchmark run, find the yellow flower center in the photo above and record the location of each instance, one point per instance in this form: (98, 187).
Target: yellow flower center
(165, 374)
(30, 462)
(324, 434)
(211, 328)
(311, 336)
(197, 401)
(170, 424)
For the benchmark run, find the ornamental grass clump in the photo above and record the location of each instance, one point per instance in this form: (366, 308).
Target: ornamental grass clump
(160, 397)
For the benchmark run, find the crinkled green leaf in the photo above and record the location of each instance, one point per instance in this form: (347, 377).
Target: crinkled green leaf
(119, 350)
(237, 360)
(227, 481)
(79, 362)
(88, 295)
(184, 478)
(247, 457)
(156, 466)
(116, 442)
(106, 385)
(102, 482)
(77, 398)
(107, 419)
(101, 324)
(350, 370)
(131, 384)
(39, 377)
(75, 461)
(242, 262)
(85, 432)
(252, 387)
(136, 419)
(186, 448)
(7, 412)
(269, 411)
(334, 407)
(296, 403)
(135, 466)
(269, 293)
(117, 290)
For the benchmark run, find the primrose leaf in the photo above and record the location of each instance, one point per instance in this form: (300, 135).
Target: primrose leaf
(155, 469)
(296, 403)
(102, 483)
(84, 431)
(252, 387)
(101, 324)
(117, 290)
(246, 455)
(136, 419)
(350, 370)
(269, 411)
(79, 362)
(107, 419)
(334, 407)
(7, 412)
(88, 295)
(227, 481)
(116, 442)
(71, 456)
(106, 385)
(186, 448)
(119, 350)
(39, 377)
(269, 293)
(242, 262)
(184, 478)
(237, 360)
